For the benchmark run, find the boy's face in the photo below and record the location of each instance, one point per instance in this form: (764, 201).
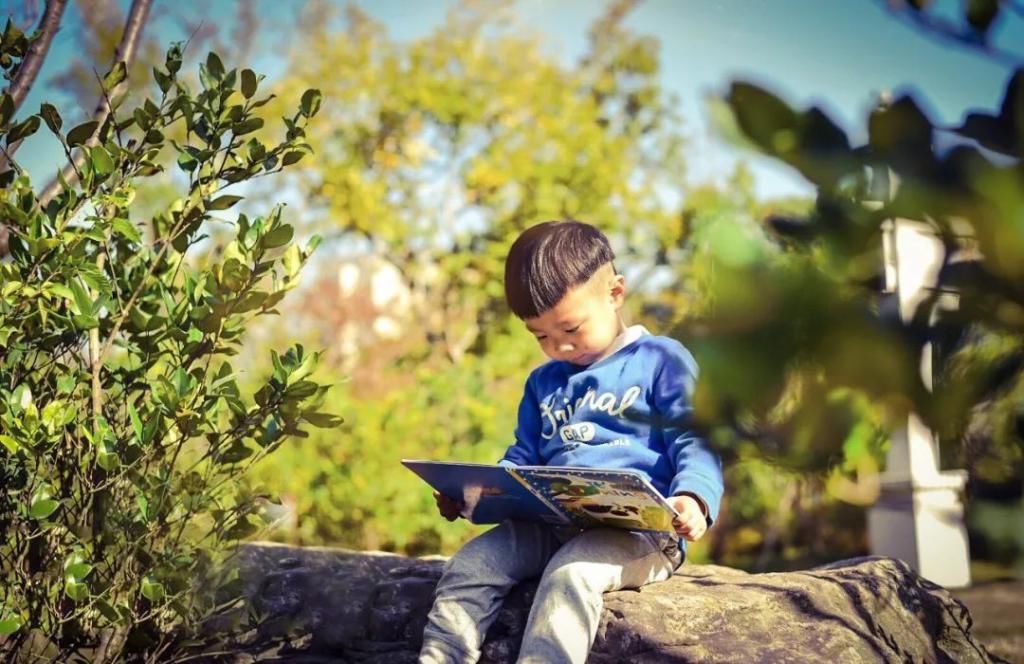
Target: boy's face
(584, 323)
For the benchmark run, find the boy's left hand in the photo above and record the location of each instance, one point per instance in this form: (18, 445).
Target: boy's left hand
(691, 522)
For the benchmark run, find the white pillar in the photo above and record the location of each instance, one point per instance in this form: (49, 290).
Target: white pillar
(918, 517)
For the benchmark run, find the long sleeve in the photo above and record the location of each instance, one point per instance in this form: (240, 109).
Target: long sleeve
(525, 451)
(698, 469)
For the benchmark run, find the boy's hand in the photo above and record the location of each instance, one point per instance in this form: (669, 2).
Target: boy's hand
(449, 508)
(691, 522)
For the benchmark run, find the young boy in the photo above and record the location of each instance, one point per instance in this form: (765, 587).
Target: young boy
(611, 397)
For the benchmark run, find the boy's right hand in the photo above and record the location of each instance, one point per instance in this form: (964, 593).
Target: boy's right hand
(449, 508)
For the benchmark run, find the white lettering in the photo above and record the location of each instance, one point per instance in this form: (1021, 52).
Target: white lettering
(545, 412)
(628, 399)
(607, 402)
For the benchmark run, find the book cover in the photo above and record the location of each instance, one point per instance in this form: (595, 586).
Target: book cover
(560, 495)
(489, 493)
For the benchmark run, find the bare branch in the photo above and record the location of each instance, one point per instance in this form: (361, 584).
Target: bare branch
(125, 53)
(30, 65)
(36, 55)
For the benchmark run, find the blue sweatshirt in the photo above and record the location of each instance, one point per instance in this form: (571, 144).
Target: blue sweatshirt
(630, 410)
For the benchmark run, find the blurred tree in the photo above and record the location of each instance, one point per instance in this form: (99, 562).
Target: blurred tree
(436, 152)
(975, 27)
(806, 317)
(432, 156)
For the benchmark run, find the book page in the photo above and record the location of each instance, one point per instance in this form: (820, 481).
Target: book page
(593, 497)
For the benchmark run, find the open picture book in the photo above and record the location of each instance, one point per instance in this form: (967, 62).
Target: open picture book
(558, 495)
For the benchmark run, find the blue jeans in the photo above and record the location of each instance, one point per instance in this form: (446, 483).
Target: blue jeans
(575, 569)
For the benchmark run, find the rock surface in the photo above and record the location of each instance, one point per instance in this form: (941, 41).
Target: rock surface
(998, 611)
(371, 608)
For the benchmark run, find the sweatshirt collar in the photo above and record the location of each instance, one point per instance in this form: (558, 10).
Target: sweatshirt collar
(625, 338)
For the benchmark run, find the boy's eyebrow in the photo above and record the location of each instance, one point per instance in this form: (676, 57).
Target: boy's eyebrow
(565, 322)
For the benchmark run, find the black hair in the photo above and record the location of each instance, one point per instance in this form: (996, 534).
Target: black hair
(547, 260)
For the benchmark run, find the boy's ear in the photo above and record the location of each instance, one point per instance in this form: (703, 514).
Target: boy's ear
(617, 290)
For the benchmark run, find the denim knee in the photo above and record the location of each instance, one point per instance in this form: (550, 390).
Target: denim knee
(571, 578)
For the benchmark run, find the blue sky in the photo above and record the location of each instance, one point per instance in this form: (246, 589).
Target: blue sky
(835, 53)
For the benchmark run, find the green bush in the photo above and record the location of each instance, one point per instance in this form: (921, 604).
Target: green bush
(346, 486)
(123, 430)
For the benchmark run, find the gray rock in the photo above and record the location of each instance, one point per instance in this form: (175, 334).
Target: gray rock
(371, 608)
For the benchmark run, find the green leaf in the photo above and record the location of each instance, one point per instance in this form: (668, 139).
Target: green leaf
(249, 82)
(6, 108)
(305, 367)
(256, 151)
(86, 321)
(23, 129)
(292, 157)
(981, 14)
(76, 590)
(214, 66)
(115, 76)
(21, 397)
(145, 508)
(301, 390)
(242, 529)
(9, 626)
(43, 507)
(182, 382)
(236, 452)
(247, 126)
(323, 420)
(223, 202)
(763, 117)
(59, 290)
(9, 443)
(136, 421)
(152, 590)
(127, 229)
(66, 382)
(151, 428)
(250, 301)
(310, 103)
(76, 567)
(82, 133)
(187, 161)
(51, 117)
(53, 413)
(107, 610)
(102, 164)
(278, 237)
(292, 261)
(107, 460)
(174, 55)
(234, 274)
(83, 304)
(163, 81)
